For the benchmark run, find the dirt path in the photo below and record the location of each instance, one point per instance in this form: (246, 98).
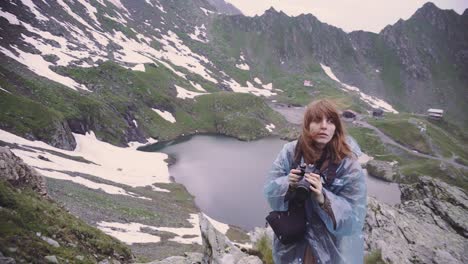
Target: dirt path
(294, 115)
(387, 140)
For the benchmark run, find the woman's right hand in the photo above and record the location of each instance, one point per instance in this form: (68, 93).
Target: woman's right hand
(293, 177)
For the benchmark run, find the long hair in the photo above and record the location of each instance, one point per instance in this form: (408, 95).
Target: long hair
(336, 150)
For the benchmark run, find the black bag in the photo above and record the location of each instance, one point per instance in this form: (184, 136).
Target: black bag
(288, 226)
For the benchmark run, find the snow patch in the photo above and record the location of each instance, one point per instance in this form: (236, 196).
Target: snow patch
(131, 233)
(236, 87)
(12, 19)
(268, 86)
(133, 171)
(139, 67)
(371, 100)
(91, 10)
(159, 6)
(257, 80)
(197, 86)
(199, 34)
(1, 89)
(243, 66)
(72, 14)
(206, 11)
(270, 127)
(184, 93)
(135, 144)
(118, 4)
(165, 114)
(149, 3)
(128, 233)
(135, 123)
(34, 10)
(90, 184)
(41, 67)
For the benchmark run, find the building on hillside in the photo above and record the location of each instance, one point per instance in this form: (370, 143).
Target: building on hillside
(435, 113)
(308, 83)
(350, 114)
(377, 112)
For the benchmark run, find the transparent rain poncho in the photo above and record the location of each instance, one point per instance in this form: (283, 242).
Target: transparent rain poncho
(343, 243)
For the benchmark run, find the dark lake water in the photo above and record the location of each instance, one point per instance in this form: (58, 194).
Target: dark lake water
(226, 176)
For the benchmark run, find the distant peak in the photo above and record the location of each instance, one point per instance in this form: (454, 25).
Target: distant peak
(429, 5)
(271, 10)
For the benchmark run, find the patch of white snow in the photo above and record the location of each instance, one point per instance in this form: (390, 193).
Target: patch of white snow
(165, 114)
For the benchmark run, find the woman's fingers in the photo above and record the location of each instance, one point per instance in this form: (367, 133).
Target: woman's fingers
(293, 178)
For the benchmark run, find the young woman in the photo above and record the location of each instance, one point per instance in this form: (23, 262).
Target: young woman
(336, 207)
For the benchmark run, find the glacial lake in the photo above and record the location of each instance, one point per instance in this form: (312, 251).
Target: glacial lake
(226, 176)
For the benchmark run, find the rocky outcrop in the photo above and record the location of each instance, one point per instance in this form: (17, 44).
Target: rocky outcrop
(218, 249)
(189, 258)
(18, 173)
(429, 226)
(381, 169)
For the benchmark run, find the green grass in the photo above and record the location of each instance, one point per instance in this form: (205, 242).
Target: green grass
(374, 257)
(23, 214)
(370, 143)
(263, 245)
(403, 132)
(412, 168)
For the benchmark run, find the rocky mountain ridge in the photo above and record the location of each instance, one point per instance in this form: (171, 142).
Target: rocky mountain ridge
(427, 227)
(126, 58)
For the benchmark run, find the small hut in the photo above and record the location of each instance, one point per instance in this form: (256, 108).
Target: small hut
(435, 113)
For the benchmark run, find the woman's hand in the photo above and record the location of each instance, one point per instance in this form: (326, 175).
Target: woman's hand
(315, 187)
(293, 177)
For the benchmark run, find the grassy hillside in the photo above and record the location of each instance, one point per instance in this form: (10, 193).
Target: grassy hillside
(27, 219)
(120, 96)
(422, 135)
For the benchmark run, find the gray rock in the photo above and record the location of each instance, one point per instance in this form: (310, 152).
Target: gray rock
(6, 260)
(427, 227)
(218, 249)
(51, 259)
(381, 169)
(50, 241)
(249, 260)
(18, 173)
(189, 258)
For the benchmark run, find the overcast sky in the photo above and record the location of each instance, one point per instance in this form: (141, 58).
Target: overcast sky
(349, 15)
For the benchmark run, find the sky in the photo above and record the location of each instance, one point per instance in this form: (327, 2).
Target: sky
(349, 15)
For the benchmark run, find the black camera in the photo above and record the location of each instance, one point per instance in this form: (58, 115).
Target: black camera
(302, 190)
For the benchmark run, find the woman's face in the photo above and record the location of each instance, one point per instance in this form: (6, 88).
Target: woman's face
(322, 130)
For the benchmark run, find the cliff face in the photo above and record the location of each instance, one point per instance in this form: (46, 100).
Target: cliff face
(429, 226)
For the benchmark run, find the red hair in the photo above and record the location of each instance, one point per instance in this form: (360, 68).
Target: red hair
(337, 149)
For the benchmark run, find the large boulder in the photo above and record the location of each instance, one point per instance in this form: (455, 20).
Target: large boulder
(381, 169)
(218, 249)
(18, 173)
(429, 226)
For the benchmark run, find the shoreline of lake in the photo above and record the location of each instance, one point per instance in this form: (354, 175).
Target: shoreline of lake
(221, 186)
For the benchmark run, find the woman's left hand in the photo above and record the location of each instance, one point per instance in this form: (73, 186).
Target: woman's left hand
(315, 187)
